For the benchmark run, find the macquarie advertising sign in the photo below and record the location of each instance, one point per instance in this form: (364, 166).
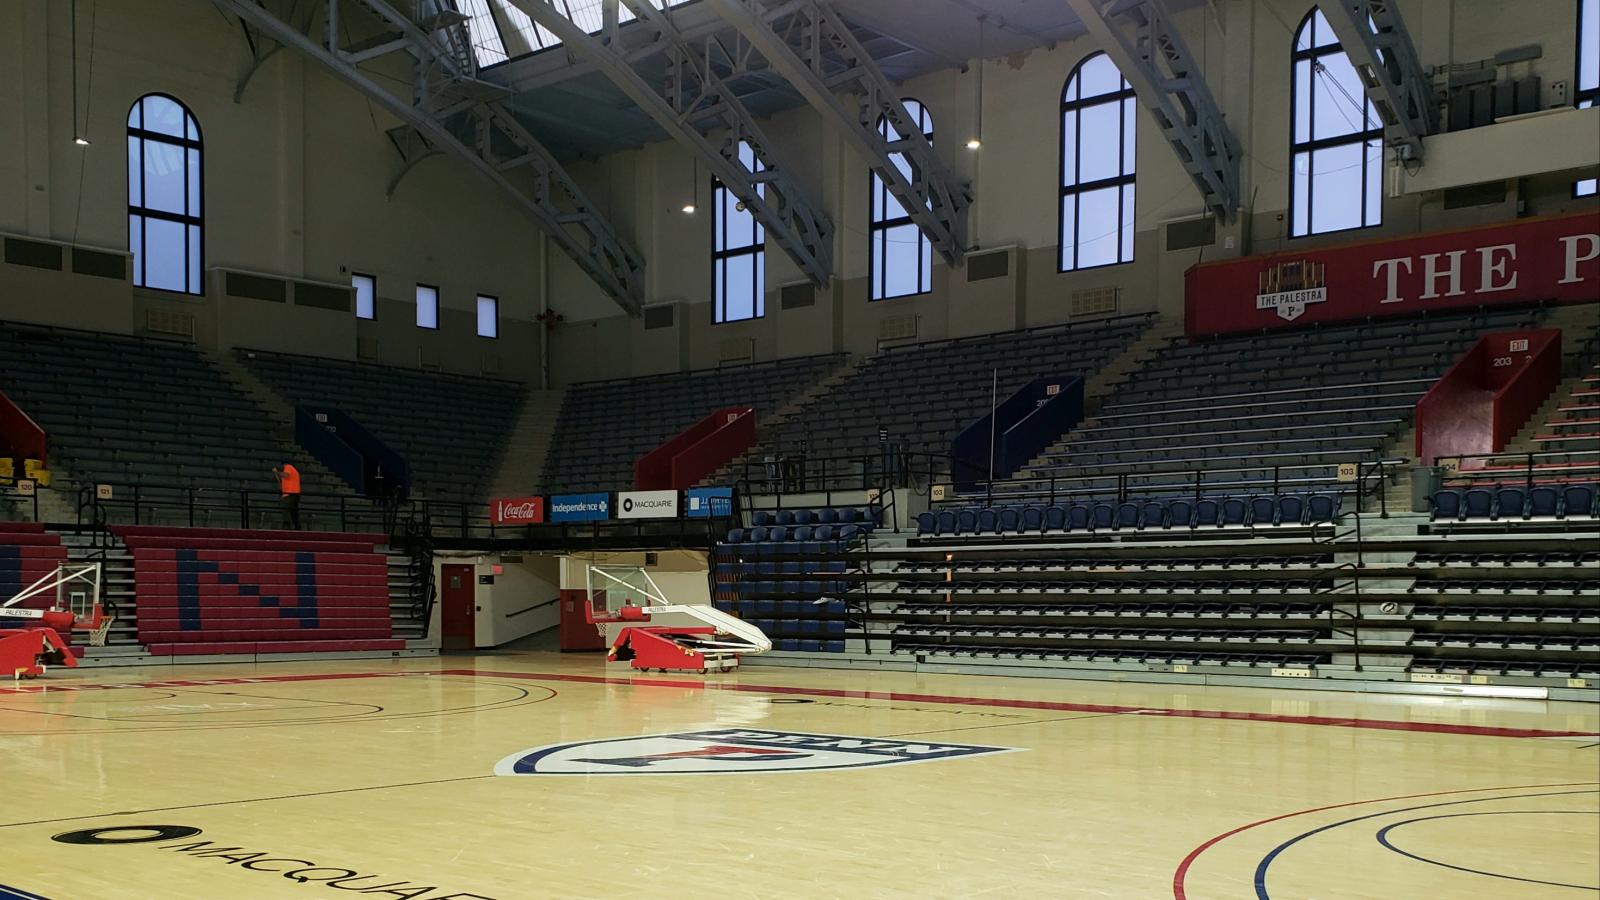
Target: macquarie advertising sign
(580, 507)
(647, 505)
(517, 511)
(1553, 258)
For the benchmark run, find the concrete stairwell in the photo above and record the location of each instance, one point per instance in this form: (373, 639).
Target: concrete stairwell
(1103, 383)
(798, 405)
(521, 470)
(280, 419)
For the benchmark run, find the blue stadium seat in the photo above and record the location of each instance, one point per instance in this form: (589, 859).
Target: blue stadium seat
(967, 521)
(1234, 511)
(1055, 518)
(1322, 508)
(1180, 514)
(1263, 511)
(947, 521)
(1077, 517)
(761, 518)
(1510, 503)
(927, 523)
(1207, 512)
(1010, 520)
(802, 517)
(1447, 505)
(988, 521)
(1543, 501)
(1577, 500)
(827, 516)
(1291, 509)
(1153, 514)
(735, 535)
(1032, 520)
(1127, 515)
(1102, 517)
(1477, 504)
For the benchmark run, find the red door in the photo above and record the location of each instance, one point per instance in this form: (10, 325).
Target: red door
(460, 596)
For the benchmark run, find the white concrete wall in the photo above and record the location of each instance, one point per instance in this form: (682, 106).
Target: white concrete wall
(295, 177)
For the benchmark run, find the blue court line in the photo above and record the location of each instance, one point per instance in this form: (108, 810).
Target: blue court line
(1383, 838)
(1266, 861)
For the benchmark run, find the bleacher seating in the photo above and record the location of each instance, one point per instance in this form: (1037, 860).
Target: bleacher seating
(606, 425)
(1519, 606)
(224, 591)
(1135, 515)
(1543, 501)
(784, 574)
(452, 429)
(1278, 410)
(923, 394)
(131, 410)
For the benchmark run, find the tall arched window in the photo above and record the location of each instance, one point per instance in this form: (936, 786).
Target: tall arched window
(1337, 146)
(901, 258)
(1588, 92)
(738, 251)
(1097, 166)
(165, 218)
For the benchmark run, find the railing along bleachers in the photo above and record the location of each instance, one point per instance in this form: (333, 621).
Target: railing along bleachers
(452, 429)
(1271, 411)
(132, 410)
(606, 425)
(922, 394)
(232, 591)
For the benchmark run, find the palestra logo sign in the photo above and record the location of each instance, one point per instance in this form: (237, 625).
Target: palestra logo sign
(730, 751)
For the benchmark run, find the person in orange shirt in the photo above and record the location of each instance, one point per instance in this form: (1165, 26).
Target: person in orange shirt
(289, 485)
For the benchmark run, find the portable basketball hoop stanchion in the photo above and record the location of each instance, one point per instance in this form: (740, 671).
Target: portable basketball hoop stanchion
(28, 651)
(645, 629)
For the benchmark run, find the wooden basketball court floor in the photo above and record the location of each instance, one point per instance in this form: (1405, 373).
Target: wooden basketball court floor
(379, 779)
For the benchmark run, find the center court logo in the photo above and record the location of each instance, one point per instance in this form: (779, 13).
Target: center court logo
(727, 751)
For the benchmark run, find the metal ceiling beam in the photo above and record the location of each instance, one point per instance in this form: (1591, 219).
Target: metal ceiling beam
(691, 96)
(1375, 38)
(1143, 41)
(819, 56)
(479, 131)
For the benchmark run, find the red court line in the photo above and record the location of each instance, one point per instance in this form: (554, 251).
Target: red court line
(1006, 703)
(1051, 705)
(1179, 893)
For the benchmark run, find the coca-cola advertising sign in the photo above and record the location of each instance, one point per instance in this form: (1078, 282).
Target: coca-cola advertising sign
(1554, 258)
(517, 511)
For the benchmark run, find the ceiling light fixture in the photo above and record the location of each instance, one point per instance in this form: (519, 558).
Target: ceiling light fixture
(976, 142)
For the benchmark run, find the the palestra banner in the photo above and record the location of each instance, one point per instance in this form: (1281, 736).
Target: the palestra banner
(647, 505)
(516, 510)
(1553, 258)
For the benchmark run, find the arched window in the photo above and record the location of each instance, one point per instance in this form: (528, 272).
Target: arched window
(1337, 142)
(738, 251)
(1588, 92)
(1097, 166)
(165, 212)
(900, 257)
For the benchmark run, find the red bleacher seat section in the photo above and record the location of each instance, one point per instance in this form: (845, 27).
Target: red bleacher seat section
(28, 553)
(216, 591)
